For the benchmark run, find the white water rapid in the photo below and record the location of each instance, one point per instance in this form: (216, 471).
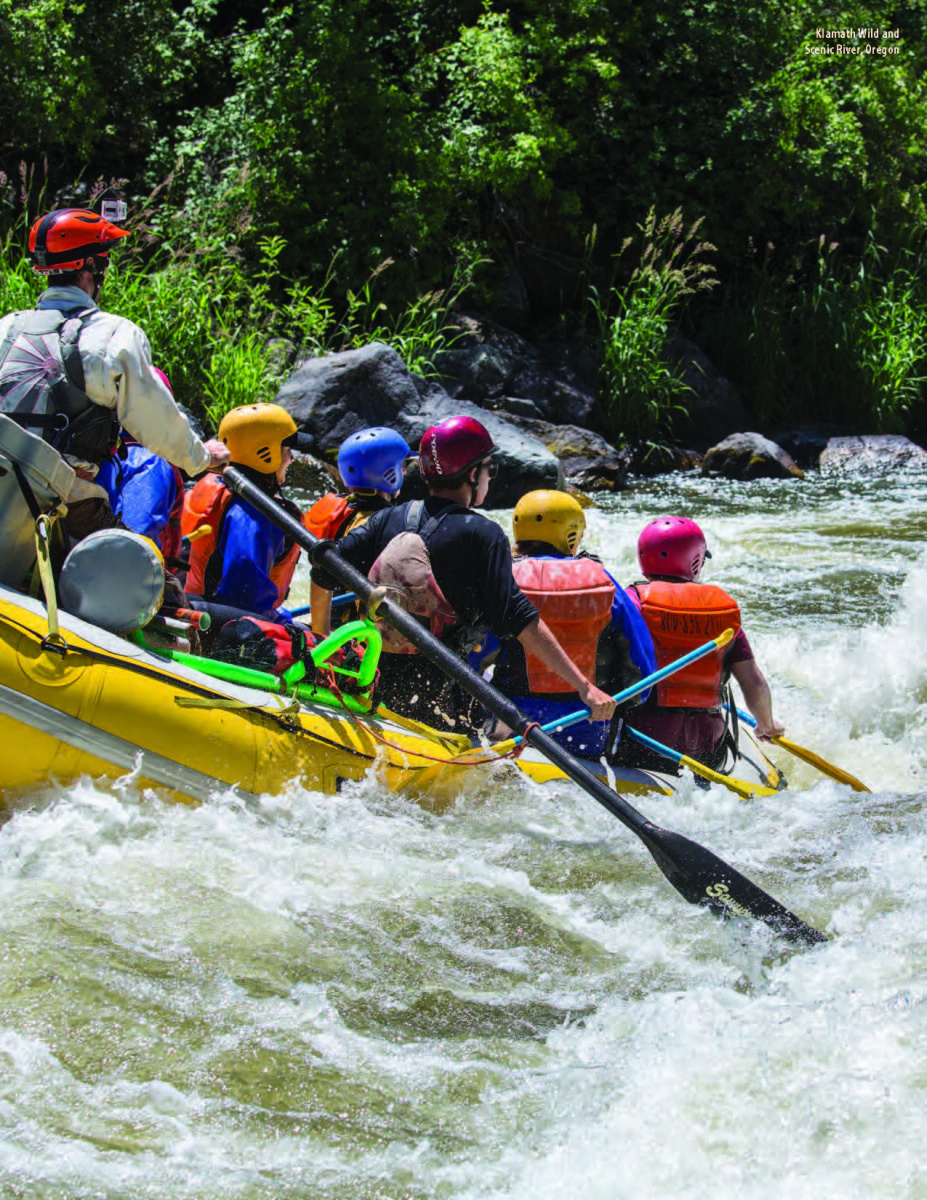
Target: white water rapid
(350, 998)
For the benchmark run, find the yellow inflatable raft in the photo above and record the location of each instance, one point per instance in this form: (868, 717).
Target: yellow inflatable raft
(92, 703)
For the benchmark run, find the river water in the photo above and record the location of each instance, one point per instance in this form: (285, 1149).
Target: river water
(349, 997)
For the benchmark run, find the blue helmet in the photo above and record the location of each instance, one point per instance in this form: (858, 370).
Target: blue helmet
(373, 459)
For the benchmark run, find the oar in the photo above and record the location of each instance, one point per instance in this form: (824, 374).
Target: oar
(809, 756)
(743, 789)
(337, 601)
(697, 874)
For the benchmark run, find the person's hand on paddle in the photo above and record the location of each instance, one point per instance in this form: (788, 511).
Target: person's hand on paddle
(766, 731)
(219, 456)
(600, 704)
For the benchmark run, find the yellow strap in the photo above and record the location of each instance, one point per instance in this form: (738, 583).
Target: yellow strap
(235, 705)
(455, 742)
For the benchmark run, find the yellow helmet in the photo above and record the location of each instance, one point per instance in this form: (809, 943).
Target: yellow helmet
(551, 517)
(255, 434)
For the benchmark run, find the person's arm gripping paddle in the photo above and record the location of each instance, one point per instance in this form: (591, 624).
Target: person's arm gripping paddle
(752, 683)
(815, 760)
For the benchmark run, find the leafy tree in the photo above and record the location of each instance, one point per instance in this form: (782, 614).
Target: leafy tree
(87, 86)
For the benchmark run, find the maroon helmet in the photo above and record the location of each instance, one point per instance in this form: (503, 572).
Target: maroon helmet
(450, 448)
(674, 547)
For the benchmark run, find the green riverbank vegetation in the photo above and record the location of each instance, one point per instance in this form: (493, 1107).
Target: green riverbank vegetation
(750, 172)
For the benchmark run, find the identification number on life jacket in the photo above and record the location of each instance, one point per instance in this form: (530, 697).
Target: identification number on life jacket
(704, 625)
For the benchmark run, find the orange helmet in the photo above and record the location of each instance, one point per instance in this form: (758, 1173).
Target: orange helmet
(61, 240)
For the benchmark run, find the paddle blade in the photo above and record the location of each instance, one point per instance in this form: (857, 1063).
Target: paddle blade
(822, 764)
(703, 878)
(740, 787)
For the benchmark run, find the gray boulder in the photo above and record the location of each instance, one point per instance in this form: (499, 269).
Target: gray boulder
(749, 456)
(496, 368)
(588, 461)
(650, 459)
(336, 395)
(806, 443)
(872, 454)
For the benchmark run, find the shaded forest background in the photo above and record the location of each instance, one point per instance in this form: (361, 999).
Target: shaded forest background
(330, 171)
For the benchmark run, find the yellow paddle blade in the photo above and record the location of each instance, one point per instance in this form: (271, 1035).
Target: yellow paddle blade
(821, 763)
(744, 790)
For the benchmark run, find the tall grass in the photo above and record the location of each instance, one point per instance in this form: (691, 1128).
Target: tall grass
(640, 390)
(211, 324)
(845, 342)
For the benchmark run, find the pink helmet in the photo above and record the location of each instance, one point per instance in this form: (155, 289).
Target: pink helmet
(164, 379)
(450, 448)
(672, 546)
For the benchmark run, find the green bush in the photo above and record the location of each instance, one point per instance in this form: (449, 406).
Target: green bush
(845, 343)
(371, 131)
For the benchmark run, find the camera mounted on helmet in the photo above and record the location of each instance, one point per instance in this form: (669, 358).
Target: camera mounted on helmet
(114, 210)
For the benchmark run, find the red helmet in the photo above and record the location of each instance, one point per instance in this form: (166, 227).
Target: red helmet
(672, 546)
(450, 448)
(61, 240)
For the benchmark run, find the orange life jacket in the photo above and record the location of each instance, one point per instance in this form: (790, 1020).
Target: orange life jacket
(327, 516)
(204, 504)
(574, 597)
(681, 617)
(281, 573)
(207, 504)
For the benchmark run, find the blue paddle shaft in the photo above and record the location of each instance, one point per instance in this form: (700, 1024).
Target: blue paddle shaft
(637, 688)
(652, 744)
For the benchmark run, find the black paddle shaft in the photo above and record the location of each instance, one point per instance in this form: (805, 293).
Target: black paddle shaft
(697, 874)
